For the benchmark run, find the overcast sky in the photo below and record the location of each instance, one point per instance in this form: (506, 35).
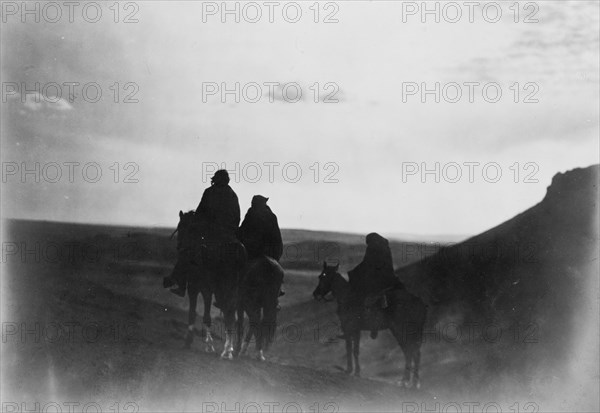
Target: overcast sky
(368, 136)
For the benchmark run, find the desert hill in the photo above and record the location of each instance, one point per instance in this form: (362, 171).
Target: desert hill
(534, 277)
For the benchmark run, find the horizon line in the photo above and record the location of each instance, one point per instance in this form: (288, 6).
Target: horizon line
(396, 236)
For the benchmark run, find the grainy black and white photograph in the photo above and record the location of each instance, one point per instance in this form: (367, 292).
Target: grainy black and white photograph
(304, 206)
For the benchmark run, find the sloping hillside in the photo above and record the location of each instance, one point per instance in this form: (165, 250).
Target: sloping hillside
(534, 278)
(542, 253)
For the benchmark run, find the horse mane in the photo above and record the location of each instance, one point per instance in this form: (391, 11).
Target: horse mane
(345, 293)
(346, 278)
(342, 281)
(186, 228)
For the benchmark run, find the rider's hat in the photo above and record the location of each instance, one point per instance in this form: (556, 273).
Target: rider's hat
(376, 240)
(259, 200)
(221, 177)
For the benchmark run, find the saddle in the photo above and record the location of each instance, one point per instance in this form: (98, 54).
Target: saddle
(378, 305)
(382, 299)
(377, 301)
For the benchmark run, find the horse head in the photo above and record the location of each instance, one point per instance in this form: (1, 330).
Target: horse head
(325, 281)
(188, 230)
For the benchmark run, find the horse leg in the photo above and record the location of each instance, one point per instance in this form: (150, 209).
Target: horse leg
(269, 321)
(228, 346)
(207, 322)
(245, 343)
(261, 337)
(189, 338)
(400, 335)
(356, 349)
(418, 341)
(408, 356)
(226, 295)
(229, 320)
(348, 338)
(253, 319)
(240, 329)
(227, 353)
(416, 363)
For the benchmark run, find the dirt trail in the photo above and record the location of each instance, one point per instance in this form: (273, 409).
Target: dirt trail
(70, 339)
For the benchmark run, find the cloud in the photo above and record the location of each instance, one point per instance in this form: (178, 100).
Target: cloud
(36, 101)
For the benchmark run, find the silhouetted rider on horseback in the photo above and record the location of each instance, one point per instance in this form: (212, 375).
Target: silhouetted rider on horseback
(260, 231)
(375, 274)
(219, 209)
(218, 216)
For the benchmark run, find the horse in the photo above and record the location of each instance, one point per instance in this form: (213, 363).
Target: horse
(405, 318)
(211, 268)
(259, 291)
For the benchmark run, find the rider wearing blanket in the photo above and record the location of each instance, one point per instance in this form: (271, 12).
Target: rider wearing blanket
(374, 276)
(218, 214)
(219, 209)
(260, 231)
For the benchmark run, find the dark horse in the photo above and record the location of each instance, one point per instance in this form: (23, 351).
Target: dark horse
(258, 298)
(211, 268)
(405, 318)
